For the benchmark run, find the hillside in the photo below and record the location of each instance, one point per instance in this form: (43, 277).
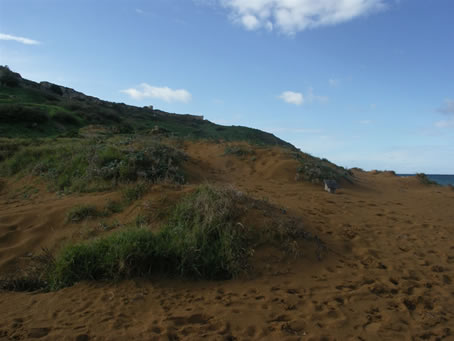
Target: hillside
(30, 109)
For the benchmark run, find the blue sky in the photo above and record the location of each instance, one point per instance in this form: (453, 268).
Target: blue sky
(364, 83)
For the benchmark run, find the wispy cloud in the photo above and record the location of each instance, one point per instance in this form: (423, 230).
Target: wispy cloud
(334, 82)
(292, 16)
(291, 97)
(365, 122)
(445, 123)
(22, 40)
(447, 107)
(312, 97)
(167, 94)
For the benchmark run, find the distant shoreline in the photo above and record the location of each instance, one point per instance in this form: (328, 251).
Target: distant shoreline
(441, 179)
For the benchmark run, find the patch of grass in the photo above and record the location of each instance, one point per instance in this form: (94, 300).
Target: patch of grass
(424, 179)
(205, 234)
(239, 151)
(121, 255)
(35, 277)
(112, 207)
(134, 192)
(75, 165)
(316, 170)
(107, 226)
(25, 283)
(82, 212)
(202, 240)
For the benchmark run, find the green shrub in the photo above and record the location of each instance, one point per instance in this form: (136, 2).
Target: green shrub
(15, 114)
(134, 192)
(25, 283)
(123, 254)
(316, 170)
(202, 240)
(204, 233)
(112, 207)
(82, 212)
(87, 165)
(65, 118)
(424, 179)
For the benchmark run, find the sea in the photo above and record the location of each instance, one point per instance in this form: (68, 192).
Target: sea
(443, 180)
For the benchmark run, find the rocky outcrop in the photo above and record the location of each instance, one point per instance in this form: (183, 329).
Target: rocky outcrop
(8, 77)
(67, 92)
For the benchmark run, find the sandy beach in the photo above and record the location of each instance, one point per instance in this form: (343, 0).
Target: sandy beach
(387, 273)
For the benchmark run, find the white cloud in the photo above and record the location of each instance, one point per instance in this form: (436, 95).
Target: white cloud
(447, 107)
(292, 97)
(299, 98)
(164, 93)
(292, 16)
(22, 40)
(334, 82)
(250, 22)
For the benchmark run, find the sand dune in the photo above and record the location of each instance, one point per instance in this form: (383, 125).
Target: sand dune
(388, 274)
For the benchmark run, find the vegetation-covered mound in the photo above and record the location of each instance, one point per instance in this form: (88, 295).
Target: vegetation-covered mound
(424, 179)
(85, 165)
(208, 235)
(316, 170)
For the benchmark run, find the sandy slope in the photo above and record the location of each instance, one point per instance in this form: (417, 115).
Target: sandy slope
(388, 275)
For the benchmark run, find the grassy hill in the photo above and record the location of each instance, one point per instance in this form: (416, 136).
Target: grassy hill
(30, 109)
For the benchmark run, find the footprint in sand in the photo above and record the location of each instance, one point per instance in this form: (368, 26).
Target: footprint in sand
(36, 333)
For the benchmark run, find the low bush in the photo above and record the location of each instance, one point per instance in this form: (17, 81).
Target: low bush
(87, 165)
(316, 170)
(205, 235)
(121, 255)
(82, 212)
(424, 179)
(202, 239)
(17, 114)
(112, 207)
(134, 192)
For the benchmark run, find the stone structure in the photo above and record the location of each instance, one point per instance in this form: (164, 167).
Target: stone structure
(330, 186)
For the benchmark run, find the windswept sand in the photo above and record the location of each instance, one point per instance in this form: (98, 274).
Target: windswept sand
(388, 274)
